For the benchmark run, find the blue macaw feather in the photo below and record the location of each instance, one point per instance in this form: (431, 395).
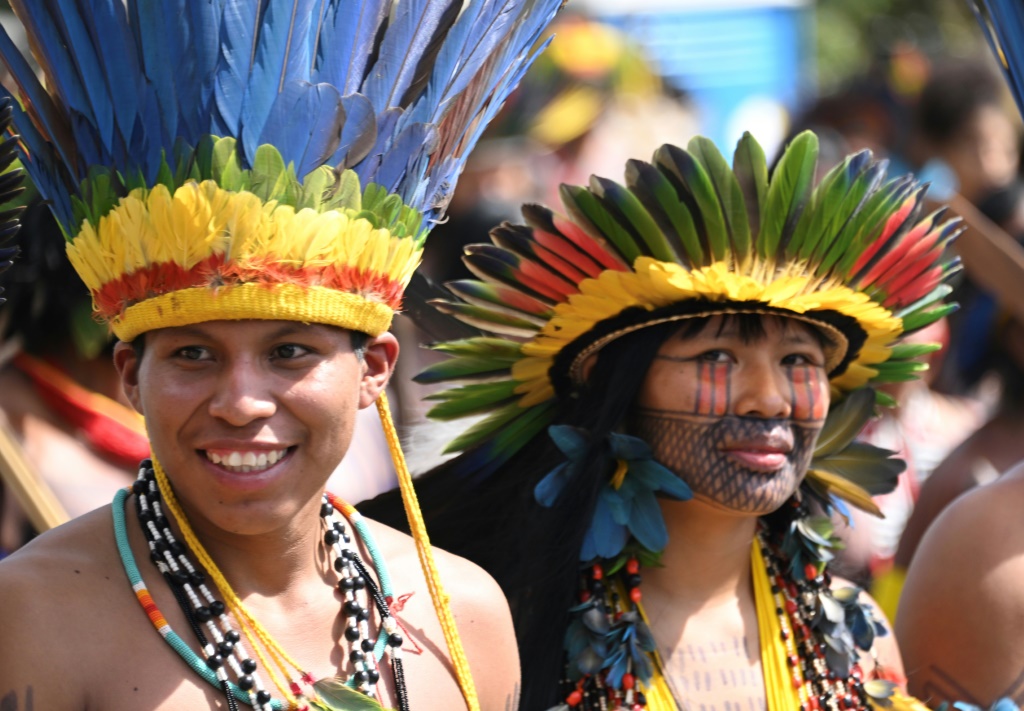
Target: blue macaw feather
(109, 33)
(54, 129)
(1002, 22)
(609, 537)
(283, 52)
(407, 146)
(551, 486)
(309, 143)
(657, 477)
(351, 30)
(156, 45)
(237, 39)
(367, 170)
(646, 522)
(628, 447)
(406, 39)
(571, 441)
(358, 134)
(617, 506)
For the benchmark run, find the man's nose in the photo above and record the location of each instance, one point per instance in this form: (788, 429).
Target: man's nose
(762, 390)
(242, 394)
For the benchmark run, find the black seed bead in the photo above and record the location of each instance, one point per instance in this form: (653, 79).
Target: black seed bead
(161, 521)
(362, 615)
(177, 548)
(326, 509)
(232, 636)
(352, 607)
(330, 537)
(217, 607)
(361, 677)
(155, 557)
(214, 661)
(351, 633)
(180, 576)
(347, 538)
(263, 696)
(347, 584)
(346, 554)
(246, 682)
(248, 665)
(356, 656)
(139, 487)
(374, 676)
(339, 564)
(339, 527)
(146, 515)
(633, 581)
(395, 639)
(225, 648)
(203, 614)
(367, 645)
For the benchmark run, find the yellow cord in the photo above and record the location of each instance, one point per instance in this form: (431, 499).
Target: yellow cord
(419, 534)
(232, 601)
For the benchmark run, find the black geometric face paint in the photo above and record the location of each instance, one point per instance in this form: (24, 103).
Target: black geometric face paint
(697, 444)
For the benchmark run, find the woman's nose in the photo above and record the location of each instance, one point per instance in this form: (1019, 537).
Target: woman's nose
(762, 390)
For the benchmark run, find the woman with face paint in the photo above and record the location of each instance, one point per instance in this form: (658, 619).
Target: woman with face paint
(674, 375)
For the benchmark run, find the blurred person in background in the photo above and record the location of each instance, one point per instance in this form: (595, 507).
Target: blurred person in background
(987, 348)
(59, 391)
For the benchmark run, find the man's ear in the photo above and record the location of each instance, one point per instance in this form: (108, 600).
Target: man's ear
(127, 363)
(379, 360)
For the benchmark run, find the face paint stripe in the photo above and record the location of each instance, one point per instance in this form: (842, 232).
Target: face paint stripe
(703, 391)
(720, 402)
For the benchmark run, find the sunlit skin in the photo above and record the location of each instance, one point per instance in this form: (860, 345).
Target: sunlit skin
(263, 386)
(736, 418)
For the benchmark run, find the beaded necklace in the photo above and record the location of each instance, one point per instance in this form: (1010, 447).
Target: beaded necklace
(222, 644)
(794, 655)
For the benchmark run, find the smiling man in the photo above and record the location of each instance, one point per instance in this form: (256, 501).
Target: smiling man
(246, 188)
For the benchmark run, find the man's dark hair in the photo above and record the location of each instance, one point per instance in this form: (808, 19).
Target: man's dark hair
(952, 95)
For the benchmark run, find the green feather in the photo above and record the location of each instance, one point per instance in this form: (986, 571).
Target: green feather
(335, 696)
(730, 195)
(486, 428)
(471, 399)
(832, 202)
(906, 351)
(937, 294)
(844, 422)
(632, 216)
(788, 193)
(867, 466)
(697, 184)
(868, 222)
(656, 193)
(587, 212)
(492, 319)
(483, 346)
(920, 319)
(462, 367)
(751, 170)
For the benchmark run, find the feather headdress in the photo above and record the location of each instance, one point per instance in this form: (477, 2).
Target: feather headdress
(687, 236)
(233, 158)
(261, 159)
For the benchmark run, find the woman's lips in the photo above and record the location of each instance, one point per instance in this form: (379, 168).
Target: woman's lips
(760, 460)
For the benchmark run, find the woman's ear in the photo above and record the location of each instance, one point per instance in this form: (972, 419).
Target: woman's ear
(379, 360)
(127, 361)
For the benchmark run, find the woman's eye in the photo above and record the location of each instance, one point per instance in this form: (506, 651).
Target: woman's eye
(799, 359)
(715, 356)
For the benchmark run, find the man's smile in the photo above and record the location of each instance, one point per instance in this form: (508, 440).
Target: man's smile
(241, 460)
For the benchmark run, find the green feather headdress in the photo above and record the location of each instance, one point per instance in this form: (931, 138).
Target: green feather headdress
(688, 236)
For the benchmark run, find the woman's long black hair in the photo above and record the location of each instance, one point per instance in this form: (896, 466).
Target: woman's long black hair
(533, 551)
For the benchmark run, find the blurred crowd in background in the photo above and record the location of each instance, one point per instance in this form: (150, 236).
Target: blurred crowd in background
(912, 82)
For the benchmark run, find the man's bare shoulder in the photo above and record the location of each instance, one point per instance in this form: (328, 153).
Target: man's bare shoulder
(478, 605)
(57, 591)
(963, 605)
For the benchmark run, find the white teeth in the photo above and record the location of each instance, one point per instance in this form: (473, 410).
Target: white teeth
(247, 461)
